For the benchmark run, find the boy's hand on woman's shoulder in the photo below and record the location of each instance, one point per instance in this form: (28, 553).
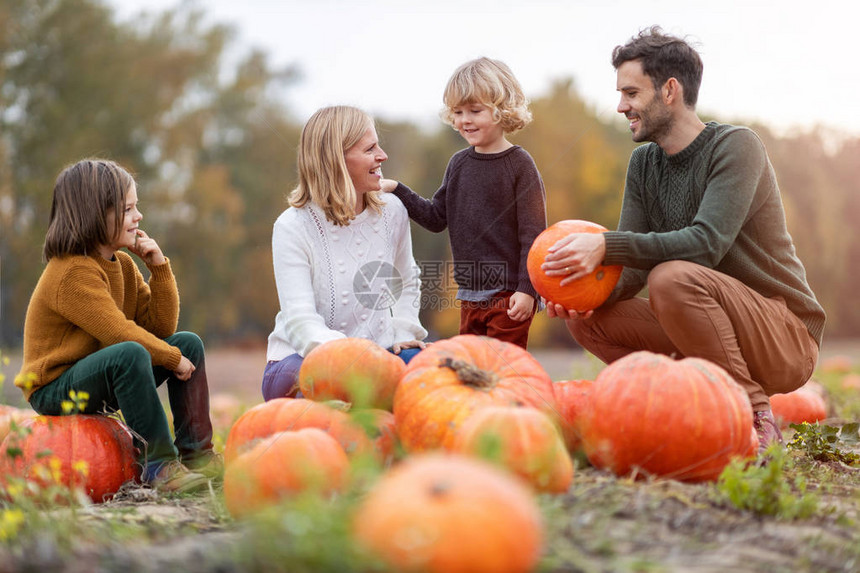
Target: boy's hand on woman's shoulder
(388, 185)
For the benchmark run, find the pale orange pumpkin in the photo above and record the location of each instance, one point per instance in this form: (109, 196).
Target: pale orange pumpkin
(371, 434)
(837, 364)
(586, 293)
(523, 440)
(573, 397)
(282, 465)
(354, 370)
(10, 415)
(802, 405)
(445, 513)
(653, 415)
(451, 378)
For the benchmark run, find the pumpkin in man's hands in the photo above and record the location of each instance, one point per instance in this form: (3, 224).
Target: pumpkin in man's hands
(584, 294)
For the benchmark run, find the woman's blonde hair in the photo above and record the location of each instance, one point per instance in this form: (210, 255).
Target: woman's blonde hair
(493, 84)
(323, 175)
(88, 208)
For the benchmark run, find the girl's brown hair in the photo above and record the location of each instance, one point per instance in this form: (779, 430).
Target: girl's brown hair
(85, 194)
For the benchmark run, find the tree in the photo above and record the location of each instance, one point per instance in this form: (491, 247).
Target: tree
(73, 84)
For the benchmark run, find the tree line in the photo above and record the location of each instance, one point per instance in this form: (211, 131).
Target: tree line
(212, 146)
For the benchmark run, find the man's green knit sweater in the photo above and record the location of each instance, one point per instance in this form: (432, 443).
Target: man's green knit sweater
(715, 203)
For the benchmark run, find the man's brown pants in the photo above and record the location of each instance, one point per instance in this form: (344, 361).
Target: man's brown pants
(693, 311)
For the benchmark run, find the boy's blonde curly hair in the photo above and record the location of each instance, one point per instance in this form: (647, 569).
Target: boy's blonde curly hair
(491, 83)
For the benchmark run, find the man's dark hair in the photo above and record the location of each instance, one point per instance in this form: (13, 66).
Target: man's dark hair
(663, 56)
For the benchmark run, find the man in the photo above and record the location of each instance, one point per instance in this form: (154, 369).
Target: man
(703, 227)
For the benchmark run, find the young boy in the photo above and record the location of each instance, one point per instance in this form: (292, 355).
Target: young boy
(492, 201)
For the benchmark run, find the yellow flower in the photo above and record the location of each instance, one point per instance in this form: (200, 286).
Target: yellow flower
(56, 469)
(81, 467)
(15, 489)
(10, 522)
(25, 381)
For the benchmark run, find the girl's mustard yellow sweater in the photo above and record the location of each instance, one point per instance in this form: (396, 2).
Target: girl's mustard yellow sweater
(82, 304)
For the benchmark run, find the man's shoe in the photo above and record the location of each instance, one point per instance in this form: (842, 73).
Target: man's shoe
(173, 477)
(767, 430)
(207, 463)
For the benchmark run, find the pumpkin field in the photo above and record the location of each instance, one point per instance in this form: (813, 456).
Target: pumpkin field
(469, 473)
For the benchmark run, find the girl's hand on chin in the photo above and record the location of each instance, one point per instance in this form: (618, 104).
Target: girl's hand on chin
(147, 249)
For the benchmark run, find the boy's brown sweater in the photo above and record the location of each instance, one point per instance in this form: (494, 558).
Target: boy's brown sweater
(494, 206)
(82, 304)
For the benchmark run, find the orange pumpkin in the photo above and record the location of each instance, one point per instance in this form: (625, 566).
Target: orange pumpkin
(93, 453)
(282, 465)
(586, 293)
(681, 419)
(450, 514)
(451, 378)
(522, 440)
(802, 405)
(282, 414)
(851, 381)
(354, 370)
(573, 399)
(837, 364)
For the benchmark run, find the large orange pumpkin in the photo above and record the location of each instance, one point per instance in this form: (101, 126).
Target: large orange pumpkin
(282, 465)
(586, 293)
(354, 370)
(450, 514)
(523, 440)
(91, 452)
(451, 378)
(573, 397)
(802, 405)
(282, 414)
(681, 419)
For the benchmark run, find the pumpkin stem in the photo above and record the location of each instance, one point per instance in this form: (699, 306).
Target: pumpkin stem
(439, 489)
(469, 374)
(341, 405)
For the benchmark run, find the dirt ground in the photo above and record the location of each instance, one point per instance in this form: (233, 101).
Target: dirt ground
(603, 523)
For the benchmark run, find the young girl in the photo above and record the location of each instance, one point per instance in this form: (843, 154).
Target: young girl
(342, 252)
(492, 201)
(94, 325)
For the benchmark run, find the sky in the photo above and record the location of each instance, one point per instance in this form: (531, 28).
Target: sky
(789, 64)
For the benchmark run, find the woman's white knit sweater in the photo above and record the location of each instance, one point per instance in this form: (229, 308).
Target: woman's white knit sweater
(335, 281)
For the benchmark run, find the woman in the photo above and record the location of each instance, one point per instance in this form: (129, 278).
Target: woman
(342, 252)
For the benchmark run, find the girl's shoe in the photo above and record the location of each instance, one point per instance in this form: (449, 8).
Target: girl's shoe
(173, 477)
(208, 463)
